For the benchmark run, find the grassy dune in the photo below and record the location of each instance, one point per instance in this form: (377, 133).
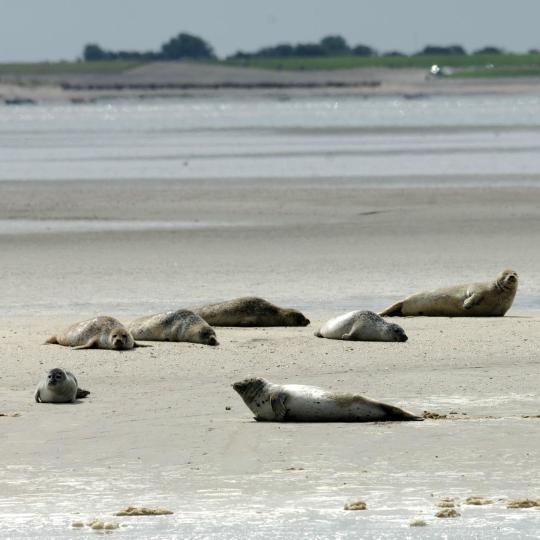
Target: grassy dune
(501, 65)
(46, 68)
(345, 62)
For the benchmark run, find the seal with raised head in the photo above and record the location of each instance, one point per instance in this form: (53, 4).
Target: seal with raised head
(250, 311)
(180, 325)
(59, 386)
(489, 299)
(361, 326)
(301, 403)
(100, 333)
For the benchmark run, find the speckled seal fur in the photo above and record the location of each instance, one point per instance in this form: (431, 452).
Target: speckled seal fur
(59, 386)
(101, 333)
(301, 403)
(489, 299)
(361, 326)
(250, 311)
(179, 325)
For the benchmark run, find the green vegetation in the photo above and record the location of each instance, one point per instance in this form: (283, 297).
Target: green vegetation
(182, 46)
(474, 65)
(52, 68)
(502, 71)
(417, 61)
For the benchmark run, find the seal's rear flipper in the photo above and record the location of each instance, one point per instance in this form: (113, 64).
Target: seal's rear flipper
(81, 393)
(397, 414)
(317, 333)
(51, 341)
(393, 311)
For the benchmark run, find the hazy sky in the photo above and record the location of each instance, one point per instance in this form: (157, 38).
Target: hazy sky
(58, 29)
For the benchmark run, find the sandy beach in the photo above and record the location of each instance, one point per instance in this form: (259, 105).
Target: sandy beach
(163, 427)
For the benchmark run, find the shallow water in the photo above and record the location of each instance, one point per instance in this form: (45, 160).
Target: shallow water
(380, 141)
(300, 503)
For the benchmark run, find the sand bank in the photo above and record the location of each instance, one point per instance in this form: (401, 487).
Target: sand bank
(163, 427)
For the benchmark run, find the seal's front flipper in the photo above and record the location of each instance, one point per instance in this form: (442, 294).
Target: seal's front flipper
(82, 393)
(91, 343)
(137, 344)
(393, 311)
(277, 402)
(356, 330)
(473, 300)
(37, 396)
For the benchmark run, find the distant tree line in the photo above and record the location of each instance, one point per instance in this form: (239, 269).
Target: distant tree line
(180, 47)
(338, 46)
(187, 46)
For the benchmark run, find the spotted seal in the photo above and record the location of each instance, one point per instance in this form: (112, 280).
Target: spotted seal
(250, 311)
(179, 325)
(301, 403)
(361, 326)
(59, 386)
(488, 299)
(101, 333)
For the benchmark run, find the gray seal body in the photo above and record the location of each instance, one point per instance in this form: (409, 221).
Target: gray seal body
(250, 311)
(488, 299)
(179, 325)
(59, 386)
(361, 326)
(302, 403)
(101, 333)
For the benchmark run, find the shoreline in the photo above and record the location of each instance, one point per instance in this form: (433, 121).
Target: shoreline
(186, 80)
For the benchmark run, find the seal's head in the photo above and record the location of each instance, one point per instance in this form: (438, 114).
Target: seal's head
(207, 335)
(198, 333)
(250, 388)
(56, 376)
(120, 339)
(507, 280)
(396, 333)
(293, 317)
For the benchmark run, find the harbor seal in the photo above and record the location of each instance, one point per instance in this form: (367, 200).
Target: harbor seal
(361, 326)
(59, 386)
(300, 403)
(101, 333)
(180, 325)
(490, 299)
(250, 311)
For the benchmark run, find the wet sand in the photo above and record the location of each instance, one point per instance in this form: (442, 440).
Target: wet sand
(157, 431)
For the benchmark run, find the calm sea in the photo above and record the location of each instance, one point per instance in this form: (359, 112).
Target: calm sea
(450, 140)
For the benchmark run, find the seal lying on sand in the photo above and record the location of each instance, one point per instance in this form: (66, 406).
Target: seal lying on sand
(250, 311)
(59, 386)
(491, 299)
(180, 325)
(300, 403)
(361, 326)
(100, 333)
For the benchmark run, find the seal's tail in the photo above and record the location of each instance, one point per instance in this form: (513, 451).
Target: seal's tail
(82, 393)
(397, 414)
(393, 311)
